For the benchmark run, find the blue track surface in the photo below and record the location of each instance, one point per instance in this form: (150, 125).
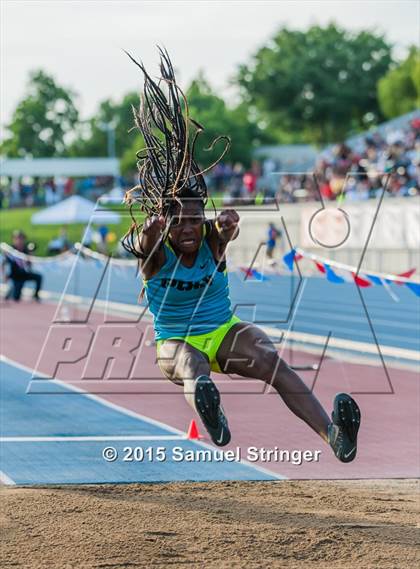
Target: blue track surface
(73, 461)
(324, 306)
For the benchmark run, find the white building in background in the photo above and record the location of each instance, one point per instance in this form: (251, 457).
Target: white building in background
(59, 169)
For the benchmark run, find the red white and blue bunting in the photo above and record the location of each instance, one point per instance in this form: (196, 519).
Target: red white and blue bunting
(333, 271)
(339, 273)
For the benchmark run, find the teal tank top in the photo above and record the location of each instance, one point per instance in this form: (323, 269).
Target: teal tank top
(188, 301)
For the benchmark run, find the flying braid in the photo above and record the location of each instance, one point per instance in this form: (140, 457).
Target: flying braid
(167, 168)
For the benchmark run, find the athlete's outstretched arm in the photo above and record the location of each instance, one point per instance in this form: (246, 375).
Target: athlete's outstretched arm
(150, 234)
(147, 245)
(227, 225)
(225, 228)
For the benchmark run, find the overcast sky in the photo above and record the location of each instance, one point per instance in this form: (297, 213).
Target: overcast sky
(80, 42)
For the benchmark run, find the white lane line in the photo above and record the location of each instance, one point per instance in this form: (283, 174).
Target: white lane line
(302, 337)
(4, 479)
(119, 308)
(135, 415)
(350, 345)
(96, 398)
(89, 438)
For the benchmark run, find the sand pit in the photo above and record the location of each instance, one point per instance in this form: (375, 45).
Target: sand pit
(216, 525)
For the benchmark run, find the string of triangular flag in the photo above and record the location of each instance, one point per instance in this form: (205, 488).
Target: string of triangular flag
(334, 272)
(339, 273)
(10, 251)
(57, 260)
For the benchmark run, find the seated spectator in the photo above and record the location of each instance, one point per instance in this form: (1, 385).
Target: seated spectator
(20, 269)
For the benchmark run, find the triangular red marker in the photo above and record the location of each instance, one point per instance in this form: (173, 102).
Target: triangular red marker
(192, 432)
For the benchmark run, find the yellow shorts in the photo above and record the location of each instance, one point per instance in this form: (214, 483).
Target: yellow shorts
(207, 344)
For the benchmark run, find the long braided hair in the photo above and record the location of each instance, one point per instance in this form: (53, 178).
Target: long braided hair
(167, 168)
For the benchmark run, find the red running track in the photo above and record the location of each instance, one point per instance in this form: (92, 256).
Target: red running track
(388, 442)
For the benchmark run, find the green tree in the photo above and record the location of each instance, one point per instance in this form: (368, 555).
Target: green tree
(399, 90)
(218, 119)
(128, 162)
(320, 83)
(205, 107)
(92, 137)
(42, 121)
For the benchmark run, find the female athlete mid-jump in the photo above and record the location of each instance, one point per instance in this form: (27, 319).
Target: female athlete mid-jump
(182, 260)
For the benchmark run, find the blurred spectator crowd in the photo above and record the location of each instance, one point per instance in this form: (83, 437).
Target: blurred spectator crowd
(35, 192)
(359, 171)
(362, 171)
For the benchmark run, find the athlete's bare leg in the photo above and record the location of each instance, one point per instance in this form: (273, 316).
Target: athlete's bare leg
(247, 351)
(182, 364)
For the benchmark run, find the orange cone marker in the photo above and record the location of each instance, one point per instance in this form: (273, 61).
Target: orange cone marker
(192, 432)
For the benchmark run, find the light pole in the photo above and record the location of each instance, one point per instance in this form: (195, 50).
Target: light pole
(109, 128)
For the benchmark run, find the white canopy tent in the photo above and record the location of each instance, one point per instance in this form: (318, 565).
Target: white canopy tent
(75, 210)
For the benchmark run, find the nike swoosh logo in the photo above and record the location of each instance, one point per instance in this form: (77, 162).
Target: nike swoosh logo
(221, 437)
(349, 453)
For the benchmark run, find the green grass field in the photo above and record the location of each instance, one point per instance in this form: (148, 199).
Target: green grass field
(41, 235)
(20, 218)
